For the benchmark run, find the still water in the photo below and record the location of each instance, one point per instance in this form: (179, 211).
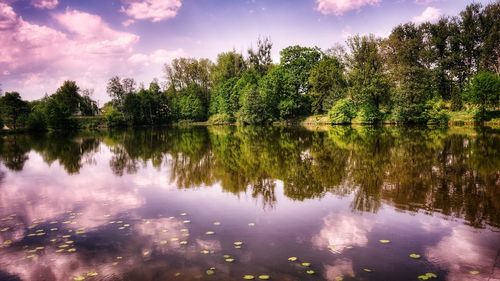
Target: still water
(219, 203)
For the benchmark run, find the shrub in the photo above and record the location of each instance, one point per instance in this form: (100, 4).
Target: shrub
(342, 112)
(114, 118)
(37, 121)
(436, 112)
(220, 119)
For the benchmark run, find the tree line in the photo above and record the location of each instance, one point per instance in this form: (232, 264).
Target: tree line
(418, 74)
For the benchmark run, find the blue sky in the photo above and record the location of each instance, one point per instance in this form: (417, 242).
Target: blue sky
(48, 41)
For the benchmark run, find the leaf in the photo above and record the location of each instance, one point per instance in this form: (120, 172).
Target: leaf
(248, 277)
(310, 272)
(367, 270)
(210, 272)
(292, 258)
(230, 260)
(384, 241)
(216, 223)
(251, 224)
(264, 277)
(414, 256)
(474, 272)
(238, 243)
(91, 274)
(205, 252)
(79, 278)
(209, 233)
(306, 264)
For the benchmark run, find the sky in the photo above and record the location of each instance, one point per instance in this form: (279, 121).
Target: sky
(45, 42)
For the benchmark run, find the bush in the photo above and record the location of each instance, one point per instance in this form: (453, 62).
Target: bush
(114, 118)
(484, 92)
(437, 113)
(37, 121)
(220, 119)
(342, 112)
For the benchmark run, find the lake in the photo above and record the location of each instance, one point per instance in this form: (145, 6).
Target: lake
(220, 203)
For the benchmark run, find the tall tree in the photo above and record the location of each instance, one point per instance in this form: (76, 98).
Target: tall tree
(13, 108)
(260, 59)
(327, 83)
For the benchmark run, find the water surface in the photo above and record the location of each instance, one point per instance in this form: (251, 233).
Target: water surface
(169, 204)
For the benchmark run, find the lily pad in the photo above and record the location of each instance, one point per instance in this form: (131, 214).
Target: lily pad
(79, 278)
(216, 223)
(292, 258)
(306, 264)
(248, 277)
(384, 241)
(209, 233)
(230, 260)
(91, 274)
(474, 272)
(414, 256)
(210, 272)
(310, 272)
(427, 276)
(264, 277)
(367, 270)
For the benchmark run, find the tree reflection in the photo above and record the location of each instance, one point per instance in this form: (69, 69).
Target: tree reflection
(454, 172)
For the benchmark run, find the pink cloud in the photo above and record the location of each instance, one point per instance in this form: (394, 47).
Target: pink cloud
(80, 46)
(152, 10)
(430, 14)
(339, 7)
(45, 4)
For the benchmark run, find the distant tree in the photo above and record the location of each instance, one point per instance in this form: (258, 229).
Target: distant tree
(68, 95)
(484, 91)
(260, 59)
(368, 83)
(13, 109)
(327, 83)
(228, 65)
(299, 61)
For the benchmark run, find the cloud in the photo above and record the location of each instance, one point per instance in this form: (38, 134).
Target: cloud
(425, 1)
(79, 46)
(430, 14)
(45, 4)
(152, 10)
(339, 7)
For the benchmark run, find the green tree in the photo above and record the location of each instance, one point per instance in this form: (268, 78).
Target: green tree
(327, 83)
(68, 95)
(368, 83)
(484, 92)
(299, 61)
(13, 109)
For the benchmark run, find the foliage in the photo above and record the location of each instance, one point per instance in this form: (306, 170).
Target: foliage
(14, 110)
(342, 112)
(484, 92)
(220, 119)
(327, 83)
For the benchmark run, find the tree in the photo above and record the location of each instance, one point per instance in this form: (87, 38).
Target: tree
(327, 83)
(68, 96)
(13, 109)
(260, 59)
(299, 61)
(227, 66)
(484, 91)
(368, 83)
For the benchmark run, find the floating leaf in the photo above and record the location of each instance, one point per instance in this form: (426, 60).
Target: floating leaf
(79, 278)
(183, 214)
(216, 223)
(292, 258)
(7, 242)
(384, 241)
(4, 229)
(91, 274)
(237, 247)
(163, 242)
(71, 250)
(248, 277)
(183, 242)
(251, 224)
(310, 272)
(227, 256)
(474, 272)
(427, 276)
(414, 256)
(238, 243)
(209, 233)
(186, 221)
(339, 278)
(367, 270)
(264, 277)
(205, 252)
(306, 264)
(210, 272)
(230, 260)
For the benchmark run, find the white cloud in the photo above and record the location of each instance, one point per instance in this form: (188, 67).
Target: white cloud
(152, 10)
(430, 14)
(339, 7)
(45, 4)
